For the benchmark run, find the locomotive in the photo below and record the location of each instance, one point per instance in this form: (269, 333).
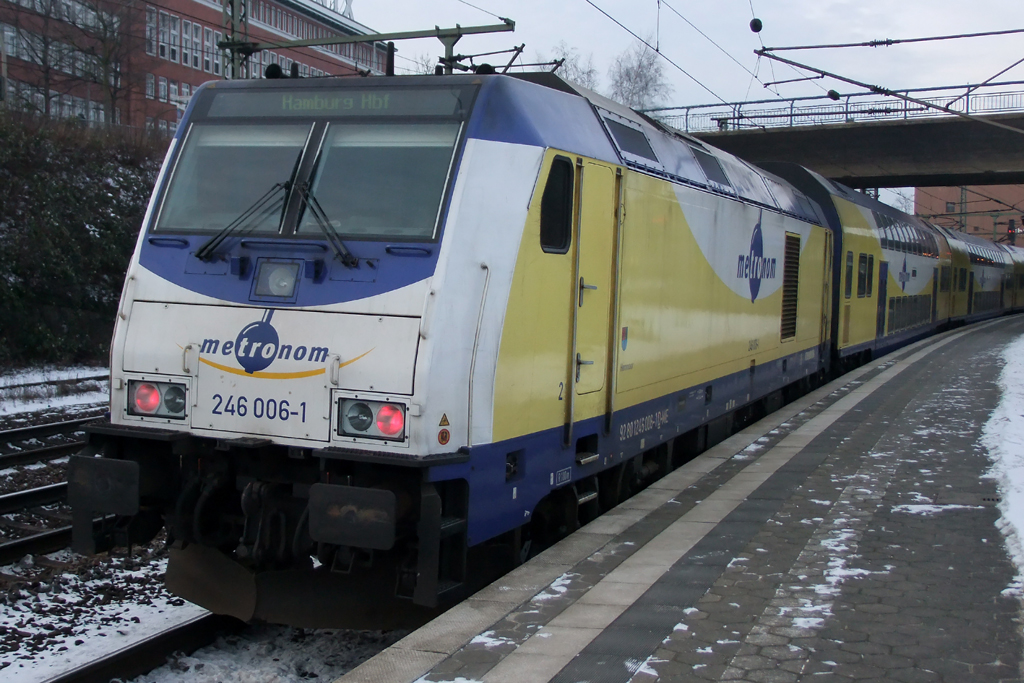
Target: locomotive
(373, 326)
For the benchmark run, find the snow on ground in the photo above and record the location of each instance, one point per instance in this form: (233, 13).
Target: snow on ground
(58, 620)
(90, 398)
(1003, 436)
(274, 654)
(15, 398)
(49, 374)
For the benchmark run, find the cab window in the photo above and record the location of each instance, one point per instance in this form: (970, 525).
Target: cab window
(556, 208)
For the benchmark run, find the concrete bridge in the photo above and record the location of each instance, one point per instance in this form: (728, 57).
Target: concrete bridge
(870, 141)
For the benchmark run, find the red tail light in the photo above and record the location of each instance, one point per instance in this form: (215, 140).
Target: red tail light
(147, 398)
(390, 420)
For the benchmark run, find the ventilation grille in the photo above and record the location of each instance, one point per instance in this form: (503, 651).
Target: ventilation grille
(790, 286)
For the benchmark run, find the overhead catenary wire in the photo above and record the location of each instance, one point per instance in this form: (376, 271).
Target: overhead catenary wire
(878, 90)
(886, 42)
(985, 82)
(660, 54)
(712, 41)
(468, 4)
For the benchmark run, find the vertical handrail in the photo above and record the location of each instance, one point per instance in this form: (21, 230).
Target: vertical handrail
(476, 346)
(613, 365)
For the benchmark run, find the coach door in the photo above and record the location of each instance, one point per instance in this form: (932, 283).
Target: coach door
(970, 295)
(883, 298)
(595, 249)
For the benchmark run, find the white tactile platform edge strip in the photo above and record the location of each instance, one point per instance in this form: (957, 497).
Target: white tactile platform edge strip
(539, 659)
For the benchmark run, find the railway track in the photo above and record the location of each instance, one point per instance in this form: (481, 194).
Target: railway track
(150, 653)
(29, 453)
(55, 532)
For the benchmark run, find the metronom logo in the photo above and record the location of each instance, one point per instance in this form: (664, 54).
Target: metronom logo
(258, 345)
(753, 266)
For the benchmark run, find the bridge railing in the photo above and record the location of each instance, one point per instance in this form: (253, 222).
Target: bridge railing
(851, 108)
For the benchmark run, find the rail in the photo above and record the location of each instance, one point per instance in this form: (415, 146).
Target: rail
(849, 108)
(152, 652)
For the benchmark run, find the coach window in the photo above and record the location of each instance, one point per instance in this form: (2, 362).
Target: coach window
(849, 274)
(556, 208)
(871, 274)
(963, 280)
(862, 275)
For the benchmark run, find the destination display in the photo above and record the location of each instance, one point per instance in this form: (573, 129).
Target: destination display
(379, 102)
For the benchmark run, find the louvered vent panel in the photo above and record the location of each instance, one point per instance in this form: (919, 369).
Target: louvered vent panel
(790, 286)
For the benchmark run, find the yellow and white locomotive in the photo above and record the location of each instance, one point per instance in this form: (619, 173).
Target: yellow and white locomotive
(373, 324)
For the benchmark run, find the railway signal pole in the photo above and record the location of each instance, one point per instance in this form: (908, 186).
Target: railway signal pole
(236, 19)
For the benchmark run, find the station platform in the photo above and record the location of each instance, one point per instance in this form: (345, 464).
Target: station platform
(850, 535)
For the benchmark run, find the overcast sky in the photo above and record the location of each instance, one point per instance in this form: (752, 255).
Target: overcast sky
(541, 25)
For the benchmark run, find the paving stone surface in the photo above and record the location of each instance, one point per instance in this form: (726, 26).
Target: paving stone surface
(873, 555)
(886, 564)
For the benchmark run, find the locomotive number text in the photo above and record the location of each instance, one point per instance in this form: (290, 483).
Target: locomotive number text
(260, 408)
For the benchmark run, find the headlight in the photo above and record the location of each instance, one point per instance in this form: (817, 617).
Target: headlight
(359, 416)
(276, 279)
(371, 419)
(157, 399)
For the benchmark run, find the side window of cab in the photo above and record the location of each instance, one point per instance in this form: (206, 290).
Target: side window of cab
(556, 207)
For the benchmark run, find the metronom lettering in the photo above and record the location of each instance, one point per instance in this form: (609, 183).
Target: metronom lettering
(313, 354)
(755, 267)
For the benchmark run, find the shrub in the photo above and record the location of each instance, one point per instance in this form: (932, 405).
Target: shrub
(71, 204)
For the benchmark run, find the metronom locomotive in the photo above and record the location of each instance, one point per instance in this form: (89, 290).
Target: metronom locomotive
(374, 326)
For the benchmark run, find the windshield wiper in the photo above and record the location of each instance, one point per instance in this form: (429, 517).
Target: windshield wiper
(320, 216)
(246, 220)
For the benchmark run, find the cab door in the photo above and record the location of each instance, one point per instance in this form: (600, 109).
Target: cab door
(595, 249)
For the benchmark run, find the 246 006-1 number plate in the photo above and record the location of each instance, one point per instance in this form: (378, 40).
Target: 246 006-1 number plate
(259, 408)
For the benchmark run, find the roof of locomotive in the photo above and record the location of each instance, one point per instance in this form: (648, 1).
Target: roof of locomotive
(540, 109)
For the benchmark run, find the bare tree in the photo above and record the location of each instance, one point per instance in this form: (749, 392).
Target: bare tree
(422, 64)
(110, 37)
(79, 48)
(574, 67)
(637, 78)
(37, 41)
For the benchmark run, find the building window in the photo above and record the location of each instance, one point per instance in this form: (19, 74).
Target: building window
(150, 86)
(163, 126)
(950, 207)
(186, 91)
(207, 50)
(197, 43)
(217, 61)
(163, 89)
(165, 33)
(149, 123)
(172, 51)
(174, 92)
(186, 43)
(151, 31)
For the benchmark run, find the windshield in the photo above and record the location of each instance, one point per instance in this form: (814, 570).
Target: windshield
(382, 179)
(225, 170)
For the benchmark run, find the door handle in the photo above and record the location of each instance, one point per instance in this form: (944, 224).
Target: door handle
(186, 365)
(580, 363)
(335, 370)
(584, 286)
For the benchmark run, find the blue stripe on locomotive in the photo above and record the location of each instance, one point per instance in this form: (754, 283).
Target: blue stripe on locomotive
(545, 465)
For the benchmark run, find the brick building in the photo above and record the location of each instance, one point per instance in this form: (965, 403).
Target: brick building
(984, 210)
(136, 63)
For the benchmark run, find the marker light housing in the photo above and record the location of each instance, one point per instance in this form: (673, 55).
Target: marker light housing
(371, 419)
(157, 399)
